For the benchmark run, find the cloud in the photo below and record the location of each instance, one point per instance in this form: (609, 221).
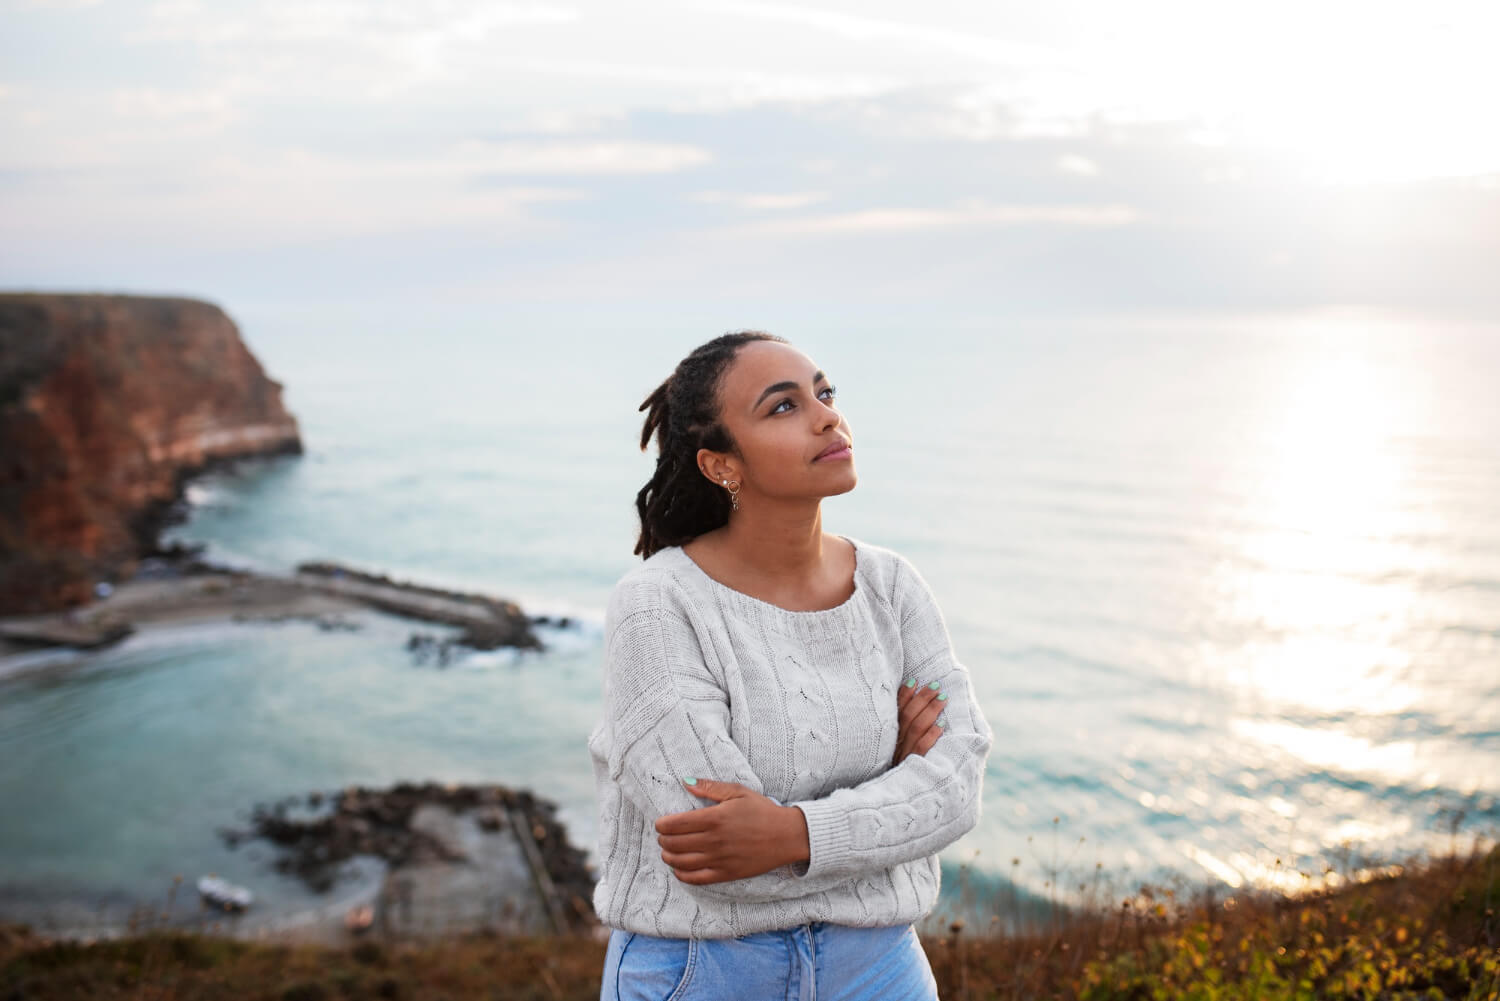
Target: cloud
(601, 60)
(902, 220)
(547, 121)
(288, 199)
(295, 21)
(1072, 163)
(718, 86)
(758, 201)
(615, 157)
(531, 147)
(908, 34)
(149, 102)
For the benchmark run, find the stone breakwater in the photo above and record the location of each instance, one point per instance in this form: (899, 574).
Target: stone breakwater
(182, 589)
(488, 623)
(460, 856)
(108, 404)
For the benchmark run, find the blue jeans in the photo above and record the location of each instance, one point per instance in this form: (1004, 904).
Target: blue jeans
(815, 962)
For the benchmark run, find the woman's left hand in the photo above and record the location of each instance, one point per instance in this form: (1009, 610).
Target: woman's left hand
(917, 711)
(743, 834)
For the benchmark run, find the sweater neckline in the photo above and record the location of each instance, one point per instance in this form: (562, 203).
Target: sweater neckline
(788, 614)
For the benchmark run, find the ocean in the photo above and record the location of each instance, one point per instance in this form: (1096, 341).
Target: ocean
(1228, 587)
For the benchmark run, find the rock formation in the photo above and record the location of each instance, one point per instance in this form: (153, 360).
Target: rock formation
(107, 405)
(416, 830)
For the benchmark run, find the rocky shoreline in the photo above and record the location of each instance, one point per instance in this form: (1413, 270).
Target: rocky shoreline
(109, 407)
(178, 588)
(448, 849)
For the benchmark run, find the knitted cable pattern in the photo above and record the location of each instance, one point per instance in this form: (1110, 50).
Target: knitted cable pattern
(706, 681)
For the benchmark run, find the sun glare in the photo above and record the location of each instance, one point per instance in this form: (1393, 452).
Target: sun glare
(1341, 92)
(1323, 667)
(1321, 523)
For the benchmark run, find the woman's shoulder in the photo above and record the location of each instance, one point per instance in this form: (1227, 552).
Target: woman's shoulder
(653, 583)
(888, 572)
(872, 556)
(882, 569)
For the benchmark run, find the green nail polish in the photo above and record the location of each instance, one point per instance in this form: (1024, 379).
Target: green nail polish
(690, 780)
(911, 682)
(943, 697)
(935, 685)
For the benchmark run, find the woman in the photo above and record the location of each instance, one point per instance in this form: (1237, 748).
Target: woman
(787, 740)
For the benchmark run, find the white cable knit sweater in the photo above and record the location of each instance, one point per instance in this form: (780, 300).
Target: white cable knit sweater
(703, 680)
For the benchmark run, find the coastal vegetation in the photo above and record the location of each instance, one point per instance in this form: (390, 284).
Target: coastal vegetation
(1424, 929)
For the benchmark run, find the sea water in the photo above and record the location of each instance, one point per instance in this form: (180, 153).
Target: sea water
(1228, 587)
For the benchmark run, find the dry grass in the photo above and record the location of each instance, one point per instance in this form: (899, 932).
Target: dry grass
(1426, 929)
(176, 967)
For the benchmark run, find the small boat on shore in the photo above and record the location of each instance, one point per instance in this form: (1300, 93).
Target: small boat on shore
(224, 894)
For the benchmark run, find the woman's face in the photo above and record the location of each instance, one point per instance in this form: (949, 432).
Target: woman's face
(779, 410)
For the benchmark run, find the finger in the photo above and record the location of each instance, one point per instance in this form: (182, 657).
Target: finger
(927, 717)
(909, 707)
(700, 877)
(905, 697)
(689, 822)
(687, 860)
(913, 731)
(716, 791)
(928, 741)
(699, 842)
(924, 697)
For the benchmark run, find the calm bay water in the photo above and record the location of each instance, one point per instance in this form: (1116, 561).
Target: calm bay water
(1229, 588)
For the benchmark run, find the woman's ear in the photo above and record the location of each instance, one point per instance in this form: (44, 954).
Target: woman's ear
(717, 466)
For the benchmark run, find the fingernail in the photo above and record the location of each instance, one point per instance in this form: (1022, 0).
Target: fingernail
(935, 685)
(911, 682)
(690, 780)
(943, 697)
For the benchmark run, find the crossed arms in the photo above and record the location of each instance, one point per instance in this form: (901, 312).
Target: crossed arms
(746, 845)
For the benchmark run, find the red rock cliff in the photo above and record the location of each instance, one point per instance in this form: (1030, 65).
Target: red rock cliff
(107, 404)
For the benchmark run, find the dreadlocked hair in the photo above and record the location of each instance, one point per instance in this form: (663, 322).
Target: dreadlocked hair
(679, 503)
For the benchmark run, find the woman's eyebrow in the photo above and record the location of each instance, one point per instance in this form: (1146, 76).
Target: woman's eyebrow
(777, 387)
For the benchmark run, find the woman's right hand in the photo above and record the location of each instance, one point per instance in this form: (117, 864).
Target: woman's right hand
(917, 709)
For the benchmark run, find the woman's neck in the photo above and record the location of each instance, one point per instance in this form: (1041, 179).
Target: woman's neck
(775, 546)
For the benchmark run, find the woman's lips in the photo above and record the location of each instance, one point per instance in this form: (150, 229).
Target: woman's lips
(843, 452)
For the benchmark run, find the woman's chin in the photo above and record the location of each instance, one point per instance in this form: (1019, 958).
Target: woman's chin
(848, 483)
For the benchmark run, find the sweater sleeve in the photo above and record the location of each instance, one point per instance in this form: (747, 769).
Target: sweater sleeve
(666, 717)
(927, 801)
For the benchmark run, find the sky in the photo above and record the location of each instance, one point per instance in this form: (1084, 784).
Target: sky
(968, 157)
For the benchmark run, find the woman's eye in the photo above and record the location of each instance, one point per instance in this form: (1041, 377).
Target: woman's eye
(830, 390)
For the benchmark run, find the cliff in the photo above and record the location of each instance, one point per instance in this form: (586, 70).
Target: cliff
(107, 405)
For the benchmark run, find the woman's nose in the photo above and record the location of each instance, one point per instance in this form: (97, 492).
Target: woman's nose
(829, 417)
